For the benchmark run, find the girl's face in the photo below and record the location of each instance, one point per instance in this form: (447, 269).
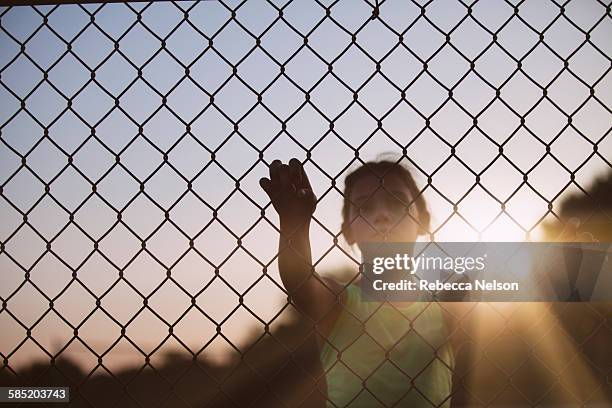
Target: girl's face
(381, 213)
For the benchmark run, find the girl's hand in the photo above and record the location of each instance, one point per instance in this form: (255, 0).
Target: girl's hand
(570, 233)
(290, 192)
(573, 256)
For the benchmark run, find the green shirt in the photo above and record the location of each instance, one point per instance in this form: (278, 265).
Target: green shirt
(401, 359)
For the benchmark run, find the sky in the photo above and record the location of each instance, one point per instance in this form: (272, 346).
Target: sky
(188, 129)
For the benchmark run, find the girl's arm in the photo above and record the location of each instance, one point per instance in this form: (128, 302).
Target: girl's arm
(292, 197)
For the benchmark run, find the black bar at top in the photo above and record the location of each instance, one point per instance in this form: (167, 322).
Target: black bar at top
(54, 2)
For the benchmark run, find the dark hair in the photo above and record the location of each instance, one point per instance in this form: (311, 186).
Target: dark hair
(381, 169)
(593, 207)
(597, 200)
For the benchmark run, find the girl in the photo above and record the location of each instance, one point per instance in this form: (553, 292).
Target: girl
(373, 353)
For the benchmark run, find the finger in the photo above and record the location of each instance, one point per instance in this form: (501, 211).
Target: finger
(305, 181)
(274, 171)
(309, 197)
(585, 236)
(284, 178)
(570, 230)
(295, 172)
(266, 185)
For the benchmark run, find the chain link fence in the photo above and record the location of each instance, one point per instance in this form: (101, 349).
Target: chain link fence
(136, 245)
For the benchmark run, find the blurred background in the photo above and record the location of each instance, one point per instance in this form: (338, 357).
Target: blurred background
(133, 137)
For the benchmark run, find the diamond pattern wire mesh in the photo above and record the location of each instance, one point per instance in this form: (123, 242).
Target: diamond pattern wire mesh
(132, 137)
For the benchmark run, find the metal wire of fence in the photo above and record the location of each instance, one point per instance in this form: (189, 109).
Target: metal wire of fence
(133, 134)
